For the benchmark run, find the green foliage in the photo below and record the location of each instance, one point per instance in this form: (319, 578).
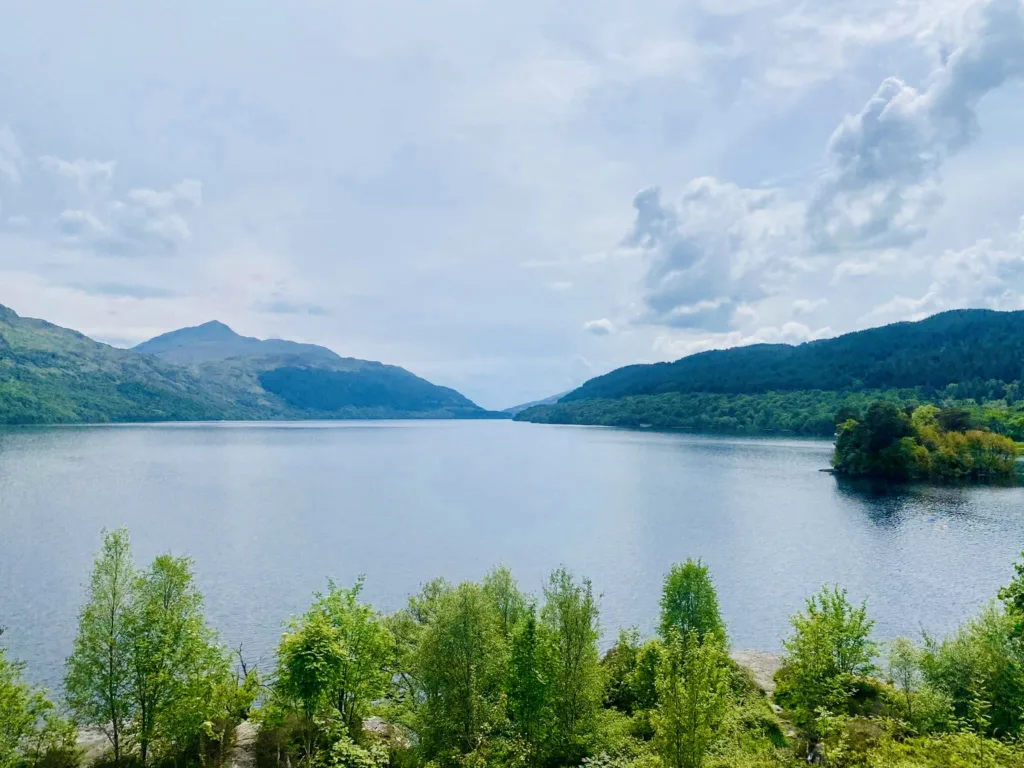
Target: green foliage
(693, 699)
(887, 442)
(460, 663)
(570, 616)
(146, 669)
(829, 650)
(980, 669)
(529, 689)
(98, 680)
(332, 663)
(958, 750)
(689, 603)
(32, 733)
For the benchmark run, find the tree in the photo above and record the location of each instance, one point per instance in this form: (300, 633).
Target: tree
(693, 695)
(829, 649)
(510, 603)
(460, 663)
(31, 731)
(528, 686)
(174, 660)
(308, 658)
(363, 671)
(904, 667)
(689, 603)
(98, 675)
(570, 616)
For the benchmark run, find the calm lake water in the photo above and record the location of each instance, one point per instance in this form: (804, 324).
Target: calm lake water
(270, 511)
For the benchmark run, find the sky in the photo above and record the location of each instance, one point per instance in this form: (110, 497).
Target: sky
(510, 198)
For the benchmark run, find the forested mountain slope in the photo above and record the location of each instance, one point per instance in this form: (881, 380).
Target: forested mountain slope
(53, 375)
(969, 358)
(948, 348)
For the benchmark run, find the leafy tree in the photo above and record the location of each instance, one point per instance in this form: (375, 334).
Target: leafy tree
(98, 680)
(173, 658)
(570, 616)
(981, 669)
(693, 696)
(904, 668)
(829, 649)
(460, 664)
(363, 675)
(528, 688)
(689, 603)
(510, 603)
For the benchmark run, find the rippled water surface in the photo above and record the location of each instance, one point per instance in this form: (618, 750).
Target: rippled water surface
(269, 511)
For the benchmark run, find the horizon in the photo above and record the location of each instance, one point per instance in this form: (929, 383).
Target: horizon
(509, 201)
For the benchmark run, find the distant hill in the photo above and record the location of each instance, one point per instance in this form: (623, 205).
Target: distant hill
(546, 401)
(948, 348)
(53, 375)
(974, 357)
(215, 341)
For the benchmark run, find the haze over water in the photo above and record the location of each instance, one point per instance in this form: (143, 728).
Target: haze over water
(270, 511)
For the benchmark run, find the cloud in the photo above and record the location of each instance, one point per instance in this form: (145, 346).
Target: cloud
(602, 327)
(286, 307)
(717, 246)
(807, 306)
(882, 183)
(11, 158)
(89, 176)
(984, 274)
(130, 290)
(674, 347)
(146, 222)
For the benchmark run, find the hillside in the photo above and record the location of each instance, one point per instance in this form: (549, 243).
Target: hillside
(215, 341)
(546, 401)
(53, 375)
(972, 357)
(948, 348)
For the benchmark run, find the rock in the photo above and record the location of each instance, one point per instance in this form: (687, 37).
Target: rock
(761, 665)
(243, 751)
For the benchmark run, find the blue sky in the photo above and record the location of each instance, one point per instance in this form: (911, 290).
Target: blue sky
(509, 198)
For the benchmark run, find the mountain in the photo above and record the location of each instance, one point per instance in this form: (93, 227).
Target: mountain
(546, 401)
(974, 358)
(51, 375)
(215, 341)
(948, 348)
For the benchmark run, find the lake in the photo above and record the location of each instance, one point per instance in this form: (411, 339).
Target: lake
(270, 511)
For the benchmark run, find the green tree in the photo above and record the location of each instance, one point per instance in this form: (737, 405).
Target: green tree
(510, 603)
(830, 648)
(570, 616)
(904, 668)
(693, 696)
(98, 675)
(31, 730)
(461, 663)
(528, 687)
(308, 658)
(689, 602)
(173, 657)
(363, 673)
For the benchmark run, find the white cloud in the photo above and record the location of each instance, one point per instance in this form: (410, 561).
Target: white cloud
(602, 327)
(985, 274)
(89, 176)
(11, 158)
(717, 246)
(883, 180)
(807, 306)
